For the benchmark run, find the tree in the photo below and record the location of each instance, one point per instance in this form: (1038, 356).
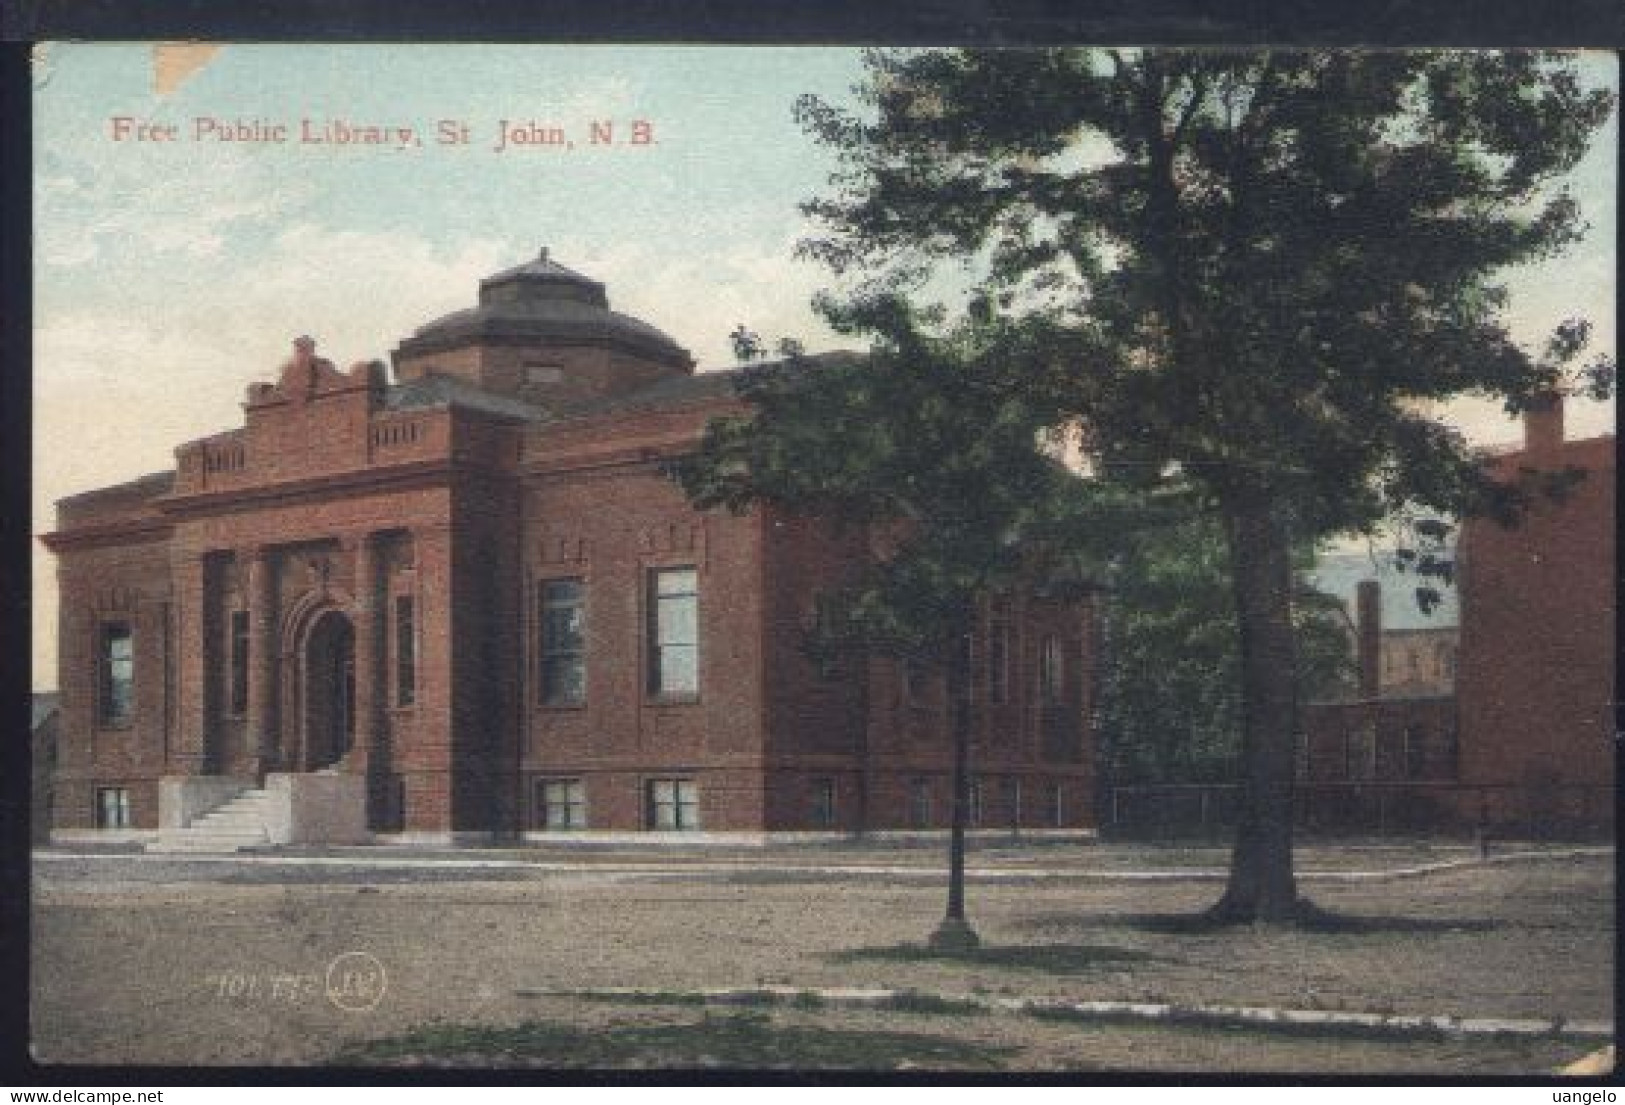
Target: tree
(918, 443)
(1241, 270)
(1169, 710)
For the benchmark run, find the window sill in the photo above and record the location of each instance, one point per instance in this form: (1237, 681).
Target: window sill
(560, 707)
(674, 700)
(123, 726)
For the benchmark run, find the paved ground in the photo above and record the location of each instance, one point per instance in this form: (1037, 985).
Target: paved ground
(289, 960)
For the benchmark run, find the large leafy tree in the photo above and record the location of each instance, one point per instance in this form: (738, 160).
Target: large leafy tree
(1170, 709)
(1244, 270)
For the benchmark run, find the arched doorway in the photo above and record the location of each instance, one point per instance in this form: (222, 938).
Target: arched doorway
(329, 690)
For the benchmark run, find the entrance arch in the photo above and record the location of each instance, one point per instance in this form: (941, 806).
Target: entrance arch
(329, 690)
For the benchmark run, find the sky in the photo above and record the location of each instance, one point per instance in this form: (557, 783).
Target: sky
(173, 267)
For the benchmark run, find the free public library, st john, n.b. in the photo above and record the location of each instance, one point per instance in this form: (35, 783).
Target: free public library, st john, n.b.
(465, 600)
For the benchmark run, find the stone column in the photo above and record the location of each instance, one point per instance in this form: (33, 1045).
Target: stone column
(188, 753)
(264, 750)
(370, 694)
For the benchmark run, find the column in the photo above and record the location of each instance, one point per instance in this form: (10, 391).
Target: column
(370, 694)
(263, 749)
(188, 753)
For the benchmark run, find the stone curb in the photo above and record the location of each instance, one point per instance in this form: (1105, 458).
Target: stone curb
(1257, 1018)
(707, 869)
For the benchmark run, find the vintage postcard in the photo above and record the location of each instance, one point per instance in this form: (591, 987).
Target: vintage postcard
(422, 676)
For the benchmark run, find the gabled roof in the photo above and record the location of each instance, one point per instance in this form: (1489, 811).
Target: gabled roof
(152, 484)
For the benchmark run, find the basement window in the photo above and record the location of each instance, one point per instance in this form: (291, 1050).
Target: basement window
(674, 804)
(112, 808)
(823, 803)
(561, 804)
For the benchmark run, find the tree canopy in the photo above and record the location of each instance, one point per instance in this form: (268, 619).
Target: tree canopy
(1253, 265)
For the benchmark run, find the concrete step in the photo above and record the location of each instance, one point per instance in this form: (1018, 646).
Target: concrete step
(230, 827)
(241, 817)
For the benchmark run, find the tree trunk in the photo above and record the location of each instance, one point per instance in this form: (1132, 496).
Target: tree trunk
(955, 932)
(1261, 886)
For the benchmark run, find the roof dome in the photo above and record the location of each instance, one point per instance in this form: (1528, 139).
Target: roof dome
(543, 301)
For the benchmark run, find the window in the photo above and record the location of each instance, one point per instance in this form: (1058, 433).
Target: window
(974, 805)
(914, 680)
(406, 651)
(919, 803)
(823, 803)
(562, 615)
(674, 804)
(561, 804)
(1012, 801)
(998, 665)
(239, 662)
(1051, 670)
(112, 808)
(674, 633)
(117, 673)
(1057, 805)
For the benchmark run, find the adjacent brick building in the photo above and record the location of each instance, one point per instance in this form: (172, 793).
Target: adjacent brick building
(471, 590)
(1536, 672)
(1523, 742)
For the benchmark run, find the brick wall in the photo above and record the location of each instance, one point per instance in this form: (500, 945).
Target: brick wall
(1537, 638)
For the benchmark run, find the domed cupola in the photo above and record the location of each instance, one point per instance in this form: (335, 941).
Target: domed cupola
(545, 334)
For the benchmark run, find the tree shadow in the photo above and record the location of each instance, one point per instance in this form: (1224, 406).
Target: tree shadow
(1310, 918)
(1053, 958)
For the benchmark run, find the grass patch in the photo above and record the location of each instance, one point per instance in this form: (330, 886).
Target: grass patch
(1063, 1014)
(910, 1001)
(744, 1041)
(1049, 958)
(657, 997)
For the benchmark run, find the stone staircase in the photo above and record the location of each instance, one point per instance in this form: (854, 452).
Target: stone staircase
(232, 826)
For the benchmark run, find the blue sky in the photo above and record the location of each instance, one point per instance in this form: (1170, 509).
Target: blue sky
(170, 275)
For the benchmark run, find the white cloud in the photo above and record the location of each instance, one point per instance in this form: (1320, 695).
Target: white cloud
(169, 206)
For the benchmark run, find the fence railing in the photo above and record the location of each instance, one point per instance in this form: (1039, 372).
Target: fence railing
(1532, 810)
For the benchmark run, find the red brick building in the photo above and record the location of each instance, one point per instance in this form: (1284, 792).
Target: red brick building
(1535, 677)
(468, 600)
(1525, 742)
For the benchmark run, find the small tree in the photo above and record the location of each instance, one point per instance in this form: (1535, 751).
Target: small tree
(919, 442)
(1239, 269)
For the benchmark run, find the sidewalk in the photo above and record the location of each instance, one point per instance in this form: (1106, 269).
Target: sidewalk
(1109, 862)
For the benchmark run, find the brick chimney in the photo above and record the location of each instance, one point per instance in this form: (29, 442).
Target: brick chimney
(1543, 425)
(1368, 629)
